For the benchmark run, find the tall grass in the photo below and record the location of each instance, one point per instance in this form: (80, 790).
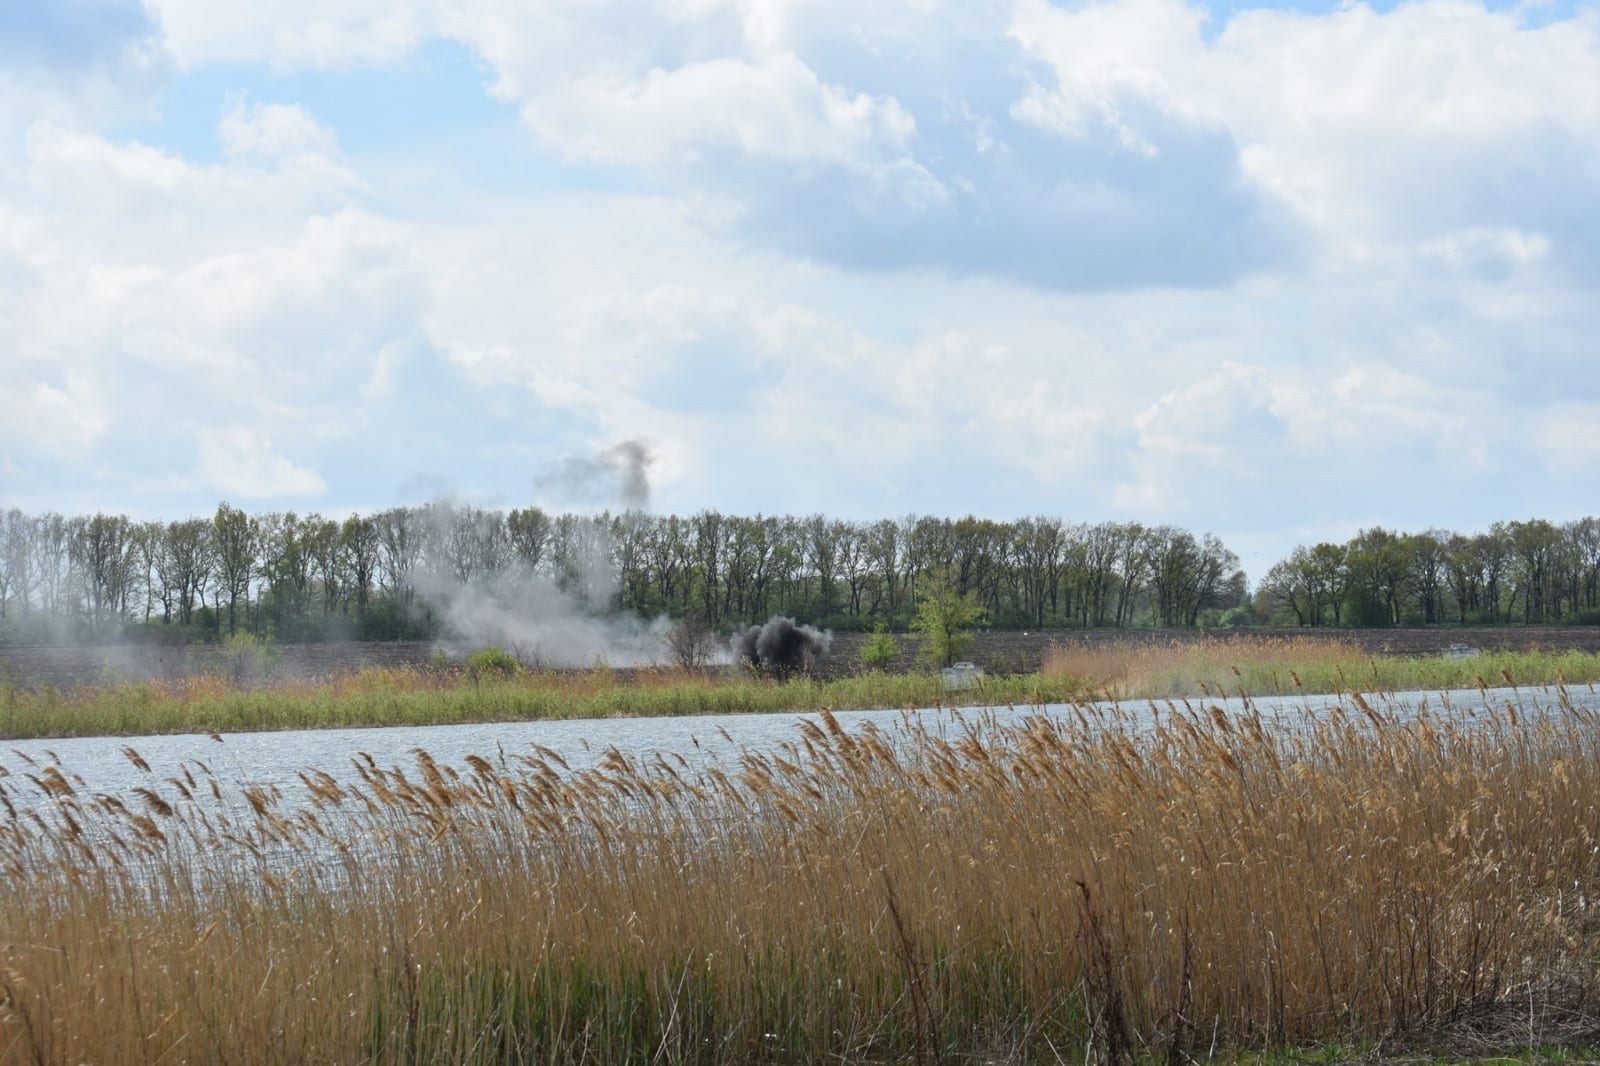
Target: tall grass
(425, 697)
(1293, 666)
(1085, 886)
(409, 696)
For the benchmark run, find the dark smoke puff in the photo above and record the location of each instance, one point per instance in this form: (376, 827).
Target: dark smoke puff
(786, 646)
(630, 462)
(744, 646)
(781, 647)
(620, 471)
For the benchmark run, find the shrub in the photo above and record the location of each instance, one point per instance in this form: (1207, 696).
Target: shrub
(880, 648)
(492, 663)
(245, 658)
(945, 618)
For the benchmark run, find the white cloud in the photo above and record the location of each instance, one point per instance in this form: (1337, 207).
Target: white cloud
(64, 421)
(772, 108)
(1564, 438)
(1107, 260)
(1111, 144)
(1491, 253)
(294, 33)
(94, 60)
(152, 302)
(130, 203)
(1103, 56)
(273, 132)
(239, 462)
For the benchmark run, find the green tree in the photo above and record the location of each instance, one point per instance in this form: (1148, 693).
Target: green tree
(945, 618)
(880, 648)
(237, 542)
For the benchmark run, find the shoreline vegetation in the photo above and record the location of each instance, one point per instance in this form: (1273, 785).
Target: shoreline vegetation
(1081, 887)
(494, 687)
(426, 572)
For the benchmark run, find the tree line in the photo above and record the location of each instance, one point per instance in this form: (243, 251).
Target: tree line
(379, 576)
(1516, 572)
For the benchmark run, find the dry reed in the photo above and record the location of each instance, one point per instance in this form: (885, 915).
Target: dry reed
(1107, 883)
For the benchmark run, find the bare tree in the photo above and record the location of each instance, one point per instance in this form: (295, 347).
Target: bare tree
(691, 643)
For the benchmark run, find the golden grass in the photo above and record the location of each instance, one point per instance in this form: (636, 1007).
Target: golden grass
(1248, 664)
(428, 696)
(432, 697)
(1087, 885)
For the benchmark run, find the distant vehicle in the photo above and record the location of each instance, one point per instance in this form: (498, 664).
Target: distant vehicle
(1460, 651)
(962, 675)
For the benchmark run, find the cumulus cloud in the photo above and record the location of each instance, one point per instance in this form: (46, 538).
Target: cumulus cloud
(1121, 259)
(240, 462)
(62, 420)
(295, 33)
(152, 302)
(104, 60)
(74, 34)
(273, 132)
(1114, 144)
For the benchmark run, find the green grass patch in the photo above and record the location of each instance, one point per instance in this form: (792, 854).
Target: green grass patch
(493, 690)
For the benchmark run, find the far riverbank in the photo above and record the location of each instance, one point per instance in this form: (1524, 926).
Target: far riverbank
(996, 651)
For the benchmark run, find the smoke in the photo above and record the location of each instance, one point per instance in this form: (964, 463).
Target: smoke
(533, 618)
(620, 472)
(559, 614)
(781, 647)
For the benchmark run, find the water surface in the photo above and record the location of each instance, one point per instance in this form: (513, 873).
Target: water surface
(277, 758)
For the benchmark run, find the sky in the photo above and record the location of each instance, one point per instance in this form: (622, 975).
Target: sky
(1279, 273)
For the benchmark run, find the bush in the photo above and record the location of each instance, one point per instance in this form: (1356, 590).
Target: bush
(881, 648)
(245, 658)
(1236, 618)
(492, 663)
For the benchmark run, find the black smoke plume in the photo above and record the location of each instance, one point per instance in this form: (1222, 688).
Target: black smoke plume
(781, 648)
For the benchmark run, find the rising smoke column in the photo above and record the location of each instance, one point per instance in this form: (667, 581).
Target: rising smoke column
(537, 615)
(781, 647)
(620, 472)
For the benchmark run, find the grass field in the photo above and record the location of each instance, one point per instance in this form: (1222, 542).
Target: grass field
(1081, 887)
(1289, 666)
(434, 697)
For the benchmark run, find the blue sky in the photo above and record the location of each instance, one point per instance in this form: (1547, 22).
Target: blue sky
(1274, 272)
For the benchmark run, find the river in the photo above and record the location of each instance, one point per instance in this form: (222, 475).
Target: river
(275, 759)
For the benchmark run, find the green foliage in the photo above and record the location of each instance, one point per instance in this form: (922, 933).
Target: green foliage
(880, 649)
(387, 619)
(245, 658)
(945, 618)
(432, 697)
(1236, 618)
(493, 663)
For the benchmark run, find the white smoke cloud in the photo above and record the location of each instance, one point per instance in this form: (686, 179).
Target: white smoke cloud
(486, 597)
